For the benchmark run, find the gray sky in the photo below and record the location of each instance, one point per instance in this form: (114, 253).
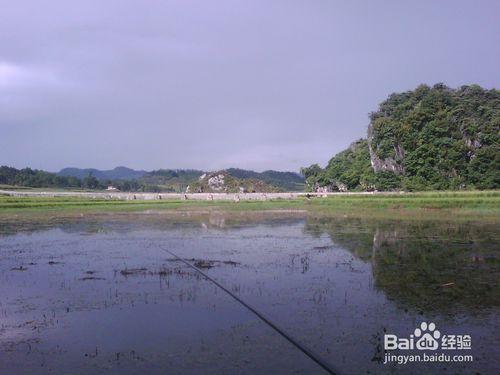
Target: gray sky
(215, 84)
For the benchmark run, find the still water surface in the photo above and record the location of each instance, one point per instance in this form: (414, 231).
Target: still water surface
(102, 295)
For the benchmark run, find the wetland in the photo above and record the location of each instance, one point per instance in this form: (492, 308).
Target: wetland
(99, 292)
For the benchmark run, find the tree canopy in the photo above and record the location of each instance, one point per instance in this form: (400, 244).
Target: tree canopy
(429, 138)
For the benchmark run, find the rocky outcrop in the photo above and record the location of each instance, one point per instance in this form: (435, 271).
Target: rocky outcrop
(330, 188)
(392, 164)
(216, 182)
(224, 182)
(473, 145)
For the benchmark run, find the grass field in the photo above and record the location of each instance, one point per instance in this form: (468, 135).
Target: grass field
(447, 204)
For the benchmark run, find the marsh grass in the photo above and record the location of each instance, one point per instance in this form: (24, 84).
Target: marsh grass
(468, 203)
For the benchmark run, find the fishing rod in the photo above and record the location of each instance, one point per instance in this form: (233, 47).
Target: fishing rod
(307, 351)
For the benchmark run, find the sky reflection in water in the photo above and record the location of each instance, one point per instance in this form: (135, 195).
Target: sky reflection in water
(91, 295)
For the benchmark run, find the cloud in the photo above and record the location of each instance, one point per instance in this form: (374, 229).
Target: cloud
(14, 76)
(157, 84)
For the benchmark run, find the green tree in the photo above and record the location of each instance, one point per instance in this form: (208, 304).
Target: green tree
(90, 182)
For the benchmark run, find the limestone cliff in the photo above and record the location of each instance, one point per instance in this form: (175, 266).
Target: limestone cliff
(224, 182)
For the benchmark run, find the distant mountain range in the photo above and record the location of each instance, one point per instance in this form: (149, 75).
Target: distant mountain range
(118, 173)
(178, 179)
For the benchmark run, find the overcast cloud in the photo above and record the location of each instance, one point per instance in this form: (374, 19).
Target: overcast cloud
(215, 84)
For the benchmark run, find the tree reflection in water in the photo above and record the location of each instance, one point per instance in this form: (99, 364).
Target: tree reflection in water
(426, 265)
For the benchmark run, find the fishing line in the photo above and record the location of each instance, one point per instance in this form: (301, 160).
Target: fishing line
(308, 352)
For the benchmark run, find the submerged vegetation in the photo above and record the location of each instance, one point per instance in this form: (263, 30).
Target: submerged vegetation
(367, 276)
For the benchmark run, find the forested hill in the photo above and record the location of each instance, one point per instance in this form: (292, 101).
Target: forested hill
(179, 179)
(428, 138)
(164, 180)
(289, 181)
(285, 180)
(118, 173)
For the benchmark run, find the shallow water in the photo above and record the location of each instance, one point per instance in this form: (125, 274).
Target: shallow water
(95, 295)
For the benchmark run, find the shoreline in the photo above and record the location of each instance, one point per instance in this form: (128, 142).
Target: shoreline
(466, 205)
(184, 196)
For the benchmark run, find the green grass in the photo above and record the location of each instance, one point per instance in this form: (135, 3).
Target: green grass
(476, 203)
